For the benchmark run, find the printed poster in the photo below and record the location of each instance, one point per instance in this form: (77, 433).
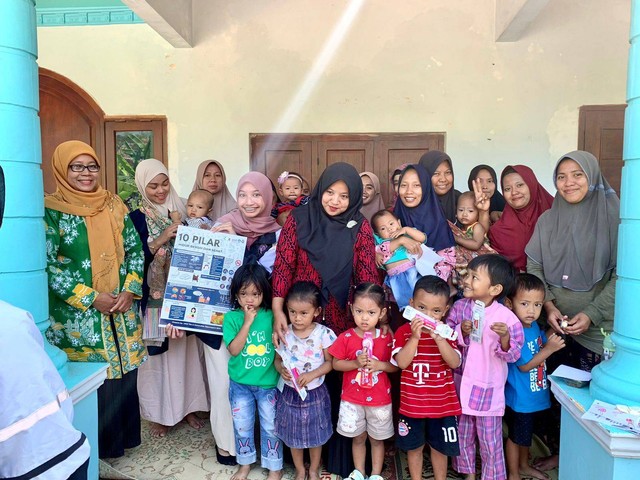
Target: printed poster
(202, 266)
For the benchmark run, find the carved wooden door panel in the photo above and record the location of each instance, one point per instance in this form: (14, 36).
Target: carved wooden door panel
(310, 154)
(601, 132)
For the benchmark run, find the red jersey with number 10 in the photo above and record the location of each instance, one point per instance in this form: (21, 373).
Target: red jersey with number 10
(426, 385)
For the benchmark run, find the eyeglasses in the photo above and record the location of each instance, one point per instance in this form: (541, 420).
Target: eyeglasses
(78, 167)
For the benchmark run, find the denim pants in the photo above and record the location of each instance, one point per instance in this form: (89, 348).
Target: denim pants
(243, 399)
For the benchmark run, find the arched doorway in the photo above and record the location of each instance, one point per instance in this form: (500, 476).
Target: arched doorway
(67, 112)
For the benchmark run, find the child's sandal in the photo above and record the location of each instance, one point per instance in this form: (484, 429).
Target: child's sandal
(355, 475)
(375, 477)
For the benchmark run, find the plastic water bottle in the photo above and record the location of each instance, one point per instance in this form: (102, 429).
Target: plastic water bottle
(608, 347)
(365, 376)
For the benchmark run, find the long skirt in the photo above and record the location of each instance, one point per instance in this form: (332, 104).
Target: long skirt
(118, 416)
(173, 384)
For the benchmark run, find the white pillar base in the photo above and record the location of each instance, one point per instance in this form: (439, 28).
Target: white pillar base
(589, 449)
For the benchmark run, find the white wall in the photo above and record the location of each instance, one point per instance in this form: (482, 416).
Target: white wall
(404, 66)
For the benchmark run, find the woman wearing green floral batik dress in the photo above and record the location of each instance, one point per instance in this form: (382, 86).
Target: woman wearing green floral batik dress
(95, 265)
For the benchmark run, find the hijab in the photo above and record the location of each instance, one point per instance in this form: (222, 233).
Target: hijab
(427, 217)
(157, 213)
(329, 241)
(103, 214)
(223, 201)
(577, 243)
(497, 200)
(511, 233)
(253, 228)
(449, 201)
(397, 171)
(376, 204)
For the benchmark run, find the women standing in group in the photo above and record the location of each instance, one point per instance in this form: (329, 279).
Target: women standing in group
(573, 250)
(327, 242)
(171, 384)
(371, 197)
(440, 168)
(95, 266)
(526, 201)
(252, 219)
(211, 177)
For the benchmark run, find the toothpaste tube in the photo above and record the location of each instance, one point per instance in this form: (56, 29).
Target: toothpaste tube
(287, 362)
(429, 323)
(365, 375)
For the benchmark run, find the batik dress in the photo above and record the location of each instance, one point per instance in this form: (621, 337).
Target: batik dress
(80, 330)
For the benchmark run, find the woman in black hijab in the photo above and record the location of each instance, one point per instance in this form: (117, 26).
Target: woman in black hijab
(488, 180)
(440, 168)
(327, 242)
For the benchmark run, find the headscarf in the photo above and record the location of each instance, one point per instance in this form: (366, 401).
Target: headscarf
(103, 213)
(427, 217)
(376, 204)
(449, 201)
(157, 214)
(329, 241)
(397, 171)
(511, 233)
(497, 200)
(252, 228)
(223, 201)
(577, 243)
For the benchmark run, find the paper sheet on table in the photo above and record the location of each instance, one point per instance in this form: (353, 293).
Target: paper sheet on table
(426, 261)
(608, 414)
(564, 371)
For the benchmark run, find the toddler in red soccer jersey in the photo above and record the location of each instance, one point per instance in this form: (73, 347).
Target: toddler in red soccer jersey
(429, 404)
(363, 354)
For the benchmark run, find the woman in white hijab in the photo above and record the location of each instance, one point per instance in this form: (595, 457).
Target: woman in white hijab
(171, 383)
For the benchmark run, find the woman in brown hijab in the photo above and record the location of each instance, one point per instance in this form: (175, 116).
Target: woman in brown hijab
(211, 177)
(95, 265)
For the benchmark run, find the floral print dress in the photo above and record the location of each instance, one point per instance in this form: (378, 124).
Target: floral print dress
(80, 330)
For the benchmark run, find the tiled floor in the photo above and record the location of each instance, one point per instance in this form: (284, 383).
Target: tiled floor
(188, 454)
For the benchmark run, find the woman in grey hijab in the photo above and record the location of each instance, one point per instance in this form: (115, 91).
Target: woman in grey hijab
(573, 250)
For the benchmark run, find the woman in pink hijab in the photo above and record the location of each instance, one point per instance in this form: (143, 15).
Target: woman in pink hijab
(252, 219)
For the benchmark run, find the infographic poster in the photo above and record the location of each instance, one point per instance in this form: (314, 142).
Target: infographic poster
(202, 266)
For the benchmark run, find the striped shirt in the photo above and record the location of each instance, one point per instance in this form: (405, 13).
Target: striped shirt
(426, 385)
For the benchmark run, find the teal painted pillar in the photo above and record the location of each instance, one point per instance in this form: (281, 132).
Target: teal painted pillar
(618, 380)
(23, 280)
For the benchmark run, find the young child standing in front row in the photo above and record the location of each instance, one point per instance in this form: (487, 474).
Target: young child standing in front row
(490, 336)
(304, 423)
(428, 400)
(363, 354)
(527, 390)
(247, 333)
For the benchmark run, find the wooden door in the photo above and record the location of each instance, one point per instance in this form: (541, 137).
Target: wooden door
(395, 150)
(67, 112)
(276, 153)
(310, 154)
(356, 152)
(601, 132)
